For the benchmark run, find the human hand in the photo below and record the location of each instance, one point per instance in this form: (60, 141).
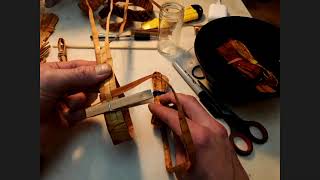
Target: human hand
(69, 86)
(215, 156)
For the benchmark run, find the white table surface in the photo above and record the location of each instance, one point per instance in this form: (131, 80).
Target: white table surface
(88, 152)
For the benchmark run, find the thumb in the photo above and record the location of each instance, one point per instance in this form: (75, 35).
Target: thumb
(82, 77)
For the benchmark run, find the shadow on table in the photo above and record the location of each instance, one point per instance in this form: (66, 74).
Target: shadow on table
(267, 112)
(87, 153)
(128, 66)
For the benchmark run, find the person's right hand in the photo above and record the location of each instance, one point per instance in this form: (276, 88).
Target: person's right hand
(215, 156)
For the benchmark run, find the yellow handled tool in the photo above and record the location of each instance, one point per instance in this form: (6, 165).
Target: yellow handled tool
(191, 13)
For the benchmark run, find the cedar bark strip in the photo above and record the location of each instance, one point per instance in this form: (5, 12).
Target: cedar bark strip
(124, 17)
(117, 122)
(186, 140)
(158, 85)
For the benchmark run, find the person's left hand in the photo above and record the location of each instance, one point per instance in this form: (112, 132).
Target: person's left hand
(69, 86)
(66, 87)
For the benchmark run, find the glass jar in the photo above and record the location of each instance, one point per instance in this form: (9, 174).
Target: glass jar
(170, 24)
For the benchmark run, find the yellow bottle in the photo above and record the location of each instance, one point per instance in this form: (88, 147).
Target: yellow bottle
(191, 13)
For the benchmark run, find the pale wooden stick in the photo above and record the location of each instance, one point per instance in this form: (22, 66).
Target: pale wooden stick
(106, 42)
(95, 33)
(111, 47)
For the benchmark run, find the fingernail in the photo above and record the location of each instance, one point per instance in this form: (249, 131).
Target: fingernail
(103, 69)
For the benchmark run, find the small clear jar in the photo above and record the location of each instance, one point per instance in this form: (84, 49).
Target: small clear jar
(170, 25)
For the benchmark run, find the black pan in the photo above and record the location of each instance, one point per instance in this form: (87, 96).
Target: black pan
(261, 38)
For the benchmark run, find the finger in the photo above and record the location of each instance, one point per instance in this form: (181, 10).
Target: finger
(180, 153)
(79, 78)
(170, 117)
(191, 106)
(71, 64)
(193, 110)
(87, 90)
(80, 100)
(72, 117)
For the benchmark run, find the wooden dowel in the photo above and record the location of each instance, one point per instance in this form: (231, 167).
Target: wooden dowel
(111, 47)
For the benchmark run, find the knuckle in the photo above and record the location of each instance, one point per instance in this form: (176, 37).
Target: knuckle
(222, 132)
(192, 99)
(203, 137)
(83, 72)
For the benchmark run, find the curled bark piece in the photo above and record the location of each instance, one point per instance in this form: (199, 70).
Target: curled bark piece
(239, 56)
(62, 50)
(132, 15)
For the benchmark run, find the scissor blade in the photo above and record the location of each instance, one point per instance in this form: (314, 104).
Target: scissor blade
(124, 102)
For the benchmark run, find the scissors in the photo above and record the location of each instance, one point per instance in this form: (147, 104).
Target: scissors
(239, 128)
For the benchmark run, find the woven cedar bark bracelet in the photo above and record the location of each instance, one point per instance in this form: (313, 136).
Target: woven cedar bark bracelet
(133, 15)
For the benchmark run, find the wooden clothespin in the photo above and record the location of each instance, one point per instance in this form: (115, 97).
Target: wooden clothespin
(125, 102)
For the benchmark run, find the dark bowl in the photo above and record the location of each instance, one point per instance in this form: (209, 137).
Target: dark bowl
(261, 38)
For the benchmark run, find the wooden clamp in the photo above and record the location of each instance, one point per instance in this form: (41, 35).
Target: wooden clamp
(125, 102)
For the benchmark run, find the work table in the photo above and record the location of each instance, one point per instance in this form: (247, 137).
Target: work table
(87, 151)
